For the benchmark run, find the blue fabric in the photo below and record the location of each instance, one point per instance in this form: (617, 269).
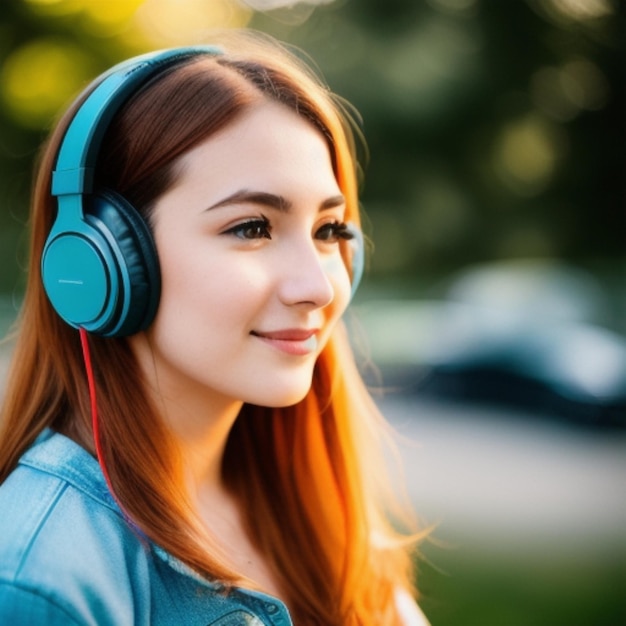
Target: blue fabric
(68, 557)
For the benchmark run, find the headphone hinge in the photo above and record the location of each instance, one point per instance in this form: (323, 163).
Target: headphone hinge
(69, 182)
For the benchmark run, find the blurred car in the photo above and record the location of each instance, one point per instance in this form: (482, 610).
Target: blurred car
(520, 335)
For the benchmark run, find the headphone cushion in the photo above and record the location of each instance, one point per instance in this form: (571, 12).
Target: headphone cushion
(133, 244)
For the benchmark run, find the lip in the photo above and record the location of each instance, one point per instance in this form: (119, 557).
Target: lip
(294, 341)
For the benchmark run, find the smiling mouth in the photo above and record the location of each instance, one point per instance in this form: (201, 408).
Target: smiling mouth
(294, 341)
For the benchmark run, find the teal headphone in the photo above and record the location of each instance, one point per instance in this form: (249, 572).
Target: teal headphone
(99, 265)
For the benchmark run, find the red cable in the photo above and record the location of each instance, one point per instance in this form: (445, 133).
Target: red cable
(84, 340)
(95, 425)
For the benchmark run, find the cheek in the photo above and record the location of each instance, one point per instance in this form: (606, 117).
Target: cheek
(205, 284)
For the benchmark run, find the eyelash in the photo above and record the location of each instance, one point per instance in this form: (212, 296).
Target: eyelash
(261, 229)
(337, 230)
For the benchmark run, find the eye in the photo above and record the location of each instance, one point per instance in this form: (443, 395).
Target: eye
(334, 231)
(252, 229)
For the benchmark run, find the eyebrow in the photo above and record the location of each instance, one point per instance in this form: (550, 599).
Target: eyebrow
(271, 200)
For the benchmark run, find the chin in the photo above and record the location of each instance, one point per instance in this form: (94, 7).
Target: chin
(279, 389)
(284, 403)
(283, 400)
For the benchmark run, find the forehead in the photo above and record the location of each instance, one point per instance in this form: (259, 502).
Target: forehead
(265, 137)
(268, 150)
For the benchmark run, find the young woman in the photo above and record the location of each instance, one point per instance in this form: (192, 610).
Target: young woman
(185, 438)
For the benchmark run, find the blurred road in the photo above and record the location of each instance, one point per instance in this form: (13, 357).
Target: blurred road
(510, 481)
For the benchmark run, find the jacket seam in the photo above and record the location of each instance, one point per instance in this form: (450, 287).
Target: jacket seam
(69, 480)
(46, 597)
(38, 527)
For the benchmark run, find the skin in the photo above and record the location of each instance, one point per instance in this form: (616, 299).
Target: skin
(253, 283)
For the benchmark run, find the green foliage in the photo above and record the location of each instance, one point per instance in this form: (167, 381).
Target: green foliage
(493, 126)
(479, 589)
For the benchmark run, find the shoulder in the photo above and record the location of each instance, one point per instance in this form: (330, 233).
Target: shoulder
(65, 550)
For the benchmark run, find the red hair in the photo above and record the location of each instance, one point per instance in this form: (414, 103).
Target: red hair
(301, 473)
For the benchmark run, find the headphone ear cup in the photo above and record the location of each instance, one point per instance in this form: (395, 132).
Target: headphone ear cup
(357, 251)
(133, 245)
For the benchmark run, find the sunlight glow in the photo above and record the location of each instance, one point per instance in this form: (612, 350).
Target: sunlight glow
(270, 5)
(171, 22)
(109, 17)
(583, 9)
(38, 78)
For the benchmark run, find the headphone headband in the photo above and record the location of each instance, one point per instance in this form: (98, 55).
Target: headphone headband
(99, 264)
(76, 160)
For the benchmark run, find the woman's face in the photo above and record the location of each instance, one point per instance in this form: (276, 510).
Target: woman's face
(252, 276)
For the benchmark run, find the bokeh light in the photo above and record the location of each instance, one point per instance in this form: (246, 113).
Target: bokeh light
(567, 90)
(38, 78)
(42, 75)
(526, 154)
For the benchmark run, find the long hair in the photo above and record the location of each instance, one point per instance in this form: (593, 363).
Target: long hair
(303, 473)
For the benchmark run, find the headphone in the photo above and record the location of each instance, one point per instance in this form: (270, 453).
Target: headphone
(99, 266)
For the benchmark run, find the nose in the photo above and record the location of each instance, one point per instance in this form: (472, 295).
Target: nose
(305, 276)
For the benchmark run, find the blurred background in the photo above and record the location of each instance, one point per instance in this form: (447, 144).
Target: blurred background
(492, 318)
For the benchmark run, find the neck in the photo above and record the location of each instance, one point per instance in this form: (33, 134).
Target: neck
(202, 440)
(199, 418)
(200, 426)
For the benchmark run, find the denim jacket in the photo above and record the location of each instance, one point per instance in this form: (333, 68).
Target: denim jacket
(68, 557)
